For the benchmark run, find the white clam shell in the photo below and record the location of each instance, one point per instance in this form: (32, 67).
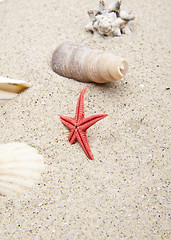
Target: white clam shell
(88, 65)
(20, 167)
(10, 87)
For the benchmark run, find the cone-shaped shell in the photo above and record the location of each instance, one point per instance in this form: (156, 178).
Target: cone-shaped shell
(20, 167)
(87, 65)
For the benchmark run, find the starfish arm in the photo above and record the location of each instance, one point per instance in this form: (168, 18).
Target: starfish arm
(72, 136)
(89, 121)
(68, 121)
(82, 138)
(80, 106)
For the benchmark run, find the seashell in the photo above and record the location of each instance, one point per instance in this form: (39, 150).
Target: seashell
(10, 87)
(114, 6)
(6, 95)
(101, 5)
(92, 14)
(109, 20)
(126, 15)
(87, 65)
(20, 167)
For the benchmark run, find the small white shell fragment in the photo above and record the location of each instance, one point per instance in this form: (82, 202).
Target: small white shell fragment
(10, 87)
(114, 6)
(109, 20)
(92, 14)
(20, 168)
(6, 95)
(126, 29)
(101, 5)
(126, 16)
(89, 27)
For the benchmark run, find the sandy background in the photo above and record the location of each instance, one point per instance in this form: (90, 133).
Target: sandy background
(124, 192)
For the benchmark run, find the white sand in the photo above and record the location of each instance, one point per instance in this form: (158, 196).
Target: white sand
(124, 192)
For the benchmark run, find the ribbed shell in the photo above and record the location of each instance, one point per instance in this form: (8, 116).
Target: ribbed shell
(20, 167)
(87, 65)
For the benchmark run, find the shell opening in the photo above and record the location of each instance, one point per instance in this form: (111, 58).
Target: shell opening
(123, 68)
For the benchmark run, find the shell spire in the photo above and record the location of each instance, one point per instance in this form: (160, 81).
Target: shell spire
(88, 65)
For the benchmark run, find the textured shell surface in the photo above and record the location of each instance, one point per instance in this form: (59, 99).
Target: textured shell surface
(88, 65)
(20, 167)
(109, 20)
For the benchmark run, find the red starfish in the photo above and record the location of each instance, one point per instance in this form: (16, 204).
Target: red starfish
(78, 125)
